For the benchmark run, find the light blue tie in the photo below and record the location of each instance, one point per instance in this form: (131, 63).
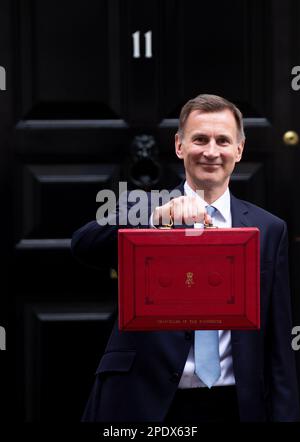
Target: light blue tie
(207, 358)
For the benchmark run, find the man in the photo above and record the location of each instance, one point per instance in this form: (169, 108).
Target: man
(151, 376)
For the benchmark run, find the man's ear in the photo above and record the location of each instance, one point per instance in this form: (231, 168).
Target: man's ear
(240, 150)
(178, 146)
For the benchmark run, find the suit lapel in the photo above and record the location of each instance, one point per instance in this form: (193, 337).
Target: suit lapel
(240, 218)
(239, 212)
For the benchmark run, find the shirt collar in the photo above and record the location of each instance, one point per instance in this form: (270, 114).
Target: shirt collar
(222, 203)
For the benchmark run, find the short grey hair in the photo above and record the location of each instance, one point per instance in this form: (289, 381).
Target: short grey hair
(206, 103)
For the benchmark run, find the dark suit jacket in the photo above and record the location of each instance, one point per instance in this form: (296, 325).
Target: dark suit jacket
(139, 372)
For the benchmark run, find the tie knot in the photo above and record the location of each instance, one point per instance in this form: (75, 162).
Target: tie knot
(211, 210)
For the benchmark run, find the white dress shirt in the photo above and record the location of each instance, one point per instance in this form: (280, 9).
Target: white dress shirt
(189, 379)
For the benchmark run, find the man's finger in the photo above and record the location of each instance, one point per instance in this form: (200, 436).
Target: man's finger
(207, 218)
(177, 211)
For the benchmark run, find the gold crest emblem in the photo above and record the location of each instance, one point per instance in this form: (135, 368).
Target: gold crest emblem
(189, 279)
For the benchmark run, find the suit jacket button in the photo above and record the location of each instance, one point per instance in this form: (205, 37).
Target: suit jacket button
(175, 377)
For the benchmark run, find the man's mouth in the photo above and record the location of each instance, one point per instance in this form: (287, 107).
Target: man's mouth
(210, 164)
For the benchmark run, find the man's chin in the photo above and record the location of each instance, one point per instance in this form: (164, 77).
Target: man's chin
(206, 182)
(209, 184)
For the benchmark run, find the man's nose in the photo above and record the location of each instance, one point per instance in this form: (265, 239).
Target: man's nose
(211, 149)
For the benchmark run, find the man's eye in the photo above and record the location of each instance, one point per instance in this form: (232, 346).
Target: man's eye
(223, 141)
(201, 140)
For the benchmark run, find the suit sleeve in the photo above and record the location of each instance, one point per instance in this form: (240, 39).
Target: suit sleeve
(97, 242)
(92, 242)
(284, 391)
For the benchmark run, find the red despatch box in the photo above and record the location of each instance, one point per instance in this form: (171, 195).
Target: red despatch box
(189, 279)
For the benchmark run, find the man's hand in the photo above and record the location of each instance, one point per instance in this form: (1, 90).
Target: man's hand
(185, 210)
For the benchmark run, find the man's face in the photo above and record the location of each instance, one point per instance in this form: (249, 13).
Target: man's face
(209, 149)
